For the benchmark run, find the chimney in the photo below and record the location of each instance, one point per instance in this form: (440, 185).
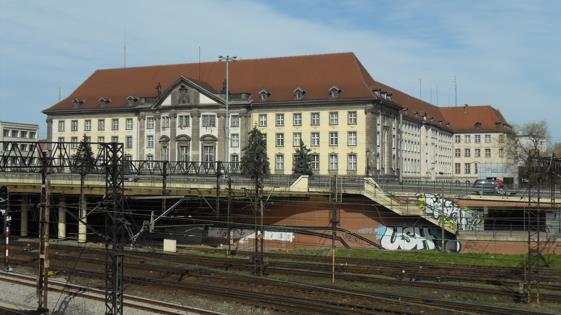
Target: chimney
(465, 108)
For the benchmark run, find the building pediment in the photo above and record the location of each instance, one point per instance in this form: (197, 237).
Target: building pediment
(187, 93)
(183, 138)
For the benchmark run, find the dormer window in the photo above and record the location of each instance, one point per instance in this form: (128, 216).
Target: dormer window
(477, 124)
(389, 96)
(334, 91)
(103, 101)
(377, 92)
(264, 95)
(131, 100)
(77, 102)
(299, 93)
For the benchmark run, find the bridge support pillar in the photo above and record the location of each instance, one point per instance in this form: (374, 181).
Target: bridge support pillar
(61, 219)
(23, 229)
(82, 230)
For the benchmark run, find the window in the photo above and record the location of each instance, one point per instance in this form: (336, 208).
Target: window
(60, 127)
(88, 139)
(73, 142)
(150, 123)
(333, 118)
(150, 158)
(457, 152)
(23, 147)
(114, 139)
(315, 119)
(458, 168)
(475, 170)
(6, 132)
(333, 138)
(184, 121)
(164, 153)
(100, 124)
(262, 120)
(209, 121)
(467, 153)
(297, 119)
(235, 161)
(477, 138)
(351, 138)
(279, 140)
(234, 140)
(15, 133)
(501, 153)
(477, 153)
(165, 122)
(351, 118)
(183, 152)
(208, 155)
(60, 139)
(501, 138)
(235, 121)
(467, 139)
(296, 138)
(128, 124)
(129, 142)
(279, 162)
(315, 139)
(87, 125)
(115, 124)
(351, 162)
(279, 120)
(101, 139)
(467, 168)
(264, 138)
(23, 134)
(149, 141)
(457, 138)
(333, 162)
(315, 162)
(299, 93)
(487, 138)
(74, 125)
(487, 153)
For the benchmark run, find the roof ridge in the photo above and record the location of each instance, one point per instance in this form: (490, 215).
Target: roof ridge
(237, 60)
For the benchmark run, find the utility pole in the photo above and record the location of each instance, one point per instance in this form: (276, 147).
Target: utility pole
(115, 228)
(227, 59)
(44, 217)
(259, 233)
(533, 259)
(228, 216)
(334, 220)
(442, 229)
(217, 205)
(5, 209)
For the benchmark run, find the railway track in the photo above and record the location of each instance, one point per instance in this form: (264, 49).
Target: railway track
(130, 301)
(388, 298)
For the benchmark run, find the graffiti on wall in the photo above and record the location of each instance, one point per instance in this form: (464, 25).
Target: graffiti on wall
(413, 238)
(244, 235)
(455, 217)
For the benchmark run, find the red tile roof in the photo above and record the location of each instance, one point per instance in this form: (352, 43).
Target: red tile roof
(316, 74)
(467, 118)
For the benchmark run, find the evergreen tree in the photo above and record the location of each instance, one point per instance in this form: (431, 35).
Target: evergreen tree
(302, 160)
(253, 153)
(83, 160)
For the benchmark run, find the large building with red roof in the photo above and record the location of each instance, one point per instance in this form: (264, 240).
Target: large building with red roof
(353, 124)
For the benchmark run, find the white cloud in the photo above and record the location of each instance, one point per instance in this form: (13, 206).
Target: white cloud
(501, 56)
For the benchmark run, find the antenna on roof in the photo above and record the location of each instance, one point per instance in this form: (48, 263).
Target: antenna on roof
(59, 93)
(199, 63)
(455, 92)
(437, 95)
(420, 88)
(125, 49)
(431, 95)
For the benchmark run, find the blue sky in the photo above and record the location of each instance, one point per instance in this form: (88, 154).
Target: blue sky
(503, 53)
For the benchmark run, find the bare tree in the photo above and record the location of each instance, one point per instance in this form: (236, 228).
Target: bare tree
(530, 139)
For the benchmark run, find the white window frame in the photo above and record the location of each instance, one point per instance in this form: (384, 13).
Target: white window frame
(352, 138)
(279, 120)
(262, 120)
(315, 139)
(279, 139)
(128, 124)
(333, 138)
(297, 119)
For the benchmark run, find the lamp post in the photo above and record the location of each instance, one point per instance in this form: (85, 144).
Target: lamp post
(227, 59)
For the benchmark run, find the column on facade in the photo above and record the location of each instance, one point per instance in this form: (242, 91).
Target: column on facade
(49, 131)
(61, 218)
(141, 136)
(195, 135)
(371, 139)
(221, 137)
(24, 216)
(399, 146)
(172, 134)
(245, 127)
(82, 229)
(157, 132)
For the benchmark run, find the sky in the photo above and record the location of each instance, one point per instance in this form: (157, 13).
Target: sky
(501, 53)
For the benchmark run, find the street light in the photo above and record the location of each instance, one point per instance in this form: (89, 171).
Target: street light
(227, 59)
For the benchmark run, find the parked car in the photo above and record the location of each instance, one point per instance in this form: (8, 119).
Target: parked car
(488, 187)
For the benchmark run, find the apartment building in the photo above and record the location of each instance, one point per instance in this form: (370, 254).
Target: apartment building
(480, 140)
(21, 132)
